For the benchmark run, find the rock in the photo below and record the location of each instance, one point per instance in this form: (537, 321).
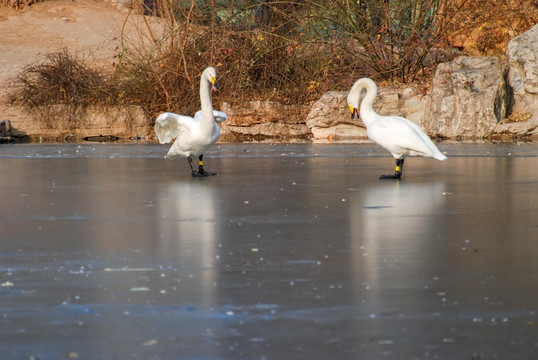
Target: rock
(120, 121)
(330, 110)
(408, 102)
(339, 133)
(469, 98)
(523, 78)
(9, 134)
(329, 118)
(259, 132)
(101, 138)
(260, 120)
(508, 130)
(523, 59)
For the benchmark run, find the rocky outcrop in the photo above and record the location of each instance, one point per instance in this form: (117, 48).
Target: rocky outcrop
(523, 59)
(261, 120)
(523, 78)
(517, 125)
(469, 98)
(329, 118)
(9, 134)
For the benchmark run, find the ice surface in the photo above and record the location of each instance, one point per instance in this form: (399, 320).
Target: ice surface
(111, 251)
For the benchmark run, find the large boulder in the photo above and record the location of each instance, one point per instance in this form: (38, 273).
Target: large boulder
(469, 98)
(329, 118)
(523, 59)
(523, 78)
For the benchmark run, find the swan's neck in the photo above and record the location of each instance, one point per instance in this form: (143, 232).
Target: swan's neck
(367, 112)
(205, 101)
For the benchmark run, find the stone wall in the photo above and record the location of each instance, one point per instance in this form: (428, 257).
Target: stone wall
(262, 120)
(117, 121)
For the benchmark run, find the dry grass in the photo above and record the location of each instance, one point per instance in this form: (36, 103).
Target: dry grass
(61, 86)
(272, 56)
(18, 4)
(518, 117)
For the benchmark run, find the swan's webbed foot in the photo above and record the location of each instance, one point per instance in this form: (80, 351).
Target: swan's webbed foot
(202, 173)
(395, 176)
(397, 172)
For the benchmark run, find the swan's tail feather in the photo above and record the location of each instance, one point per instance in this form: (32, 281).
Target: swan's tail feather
(436, 153)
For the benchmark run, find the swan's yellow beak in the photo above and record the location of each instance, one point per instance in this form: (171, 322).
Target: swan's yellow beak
(353, 112)
(214, 84)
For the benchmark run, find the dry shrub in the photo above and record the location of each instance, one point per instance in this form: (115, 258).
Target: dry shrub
(260, 50)
(398, 40)
(18, 4)
(61, 79)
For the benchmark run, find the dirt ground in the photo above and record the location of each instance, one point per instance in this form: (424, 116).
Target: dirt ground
(90, 28)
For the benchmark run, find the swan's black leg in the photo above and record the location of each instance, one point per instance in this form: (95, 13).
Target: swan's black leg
(192, 167)
(397, 172)
(201, 172)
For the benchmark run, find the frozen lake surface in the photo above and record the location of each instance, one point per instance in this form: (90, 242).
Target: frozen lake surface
(292, 252)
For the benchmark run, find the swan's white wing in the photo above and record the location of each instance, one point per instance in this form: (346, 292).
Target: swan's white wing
(169, 125)
(433, 150)
(427, 146)
(401, 136)
(218, 115)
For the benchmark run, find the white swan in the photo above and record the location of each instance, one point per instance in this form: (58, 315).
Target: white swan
(194, 135)
(400, 136)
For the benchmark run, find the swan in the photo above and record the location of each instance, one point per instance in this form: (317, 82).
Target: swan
(194, 135)
(400, 136)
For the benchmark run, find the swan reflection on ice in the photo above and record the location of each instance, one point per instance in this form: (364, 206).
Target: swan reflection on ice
(188, 213)
(390, 225)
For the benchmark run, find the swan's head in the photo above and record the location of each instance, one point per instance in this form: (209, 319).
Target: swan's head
(354, 95)
(353, 103)
(211, 76)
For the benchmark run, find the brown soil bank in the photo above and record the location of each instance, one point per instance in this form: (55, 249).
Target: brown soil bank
(84, 27)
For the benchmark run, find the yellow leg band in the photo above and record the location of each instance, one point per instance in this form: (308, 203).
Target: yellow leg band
(397, 168)
(201, 163)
